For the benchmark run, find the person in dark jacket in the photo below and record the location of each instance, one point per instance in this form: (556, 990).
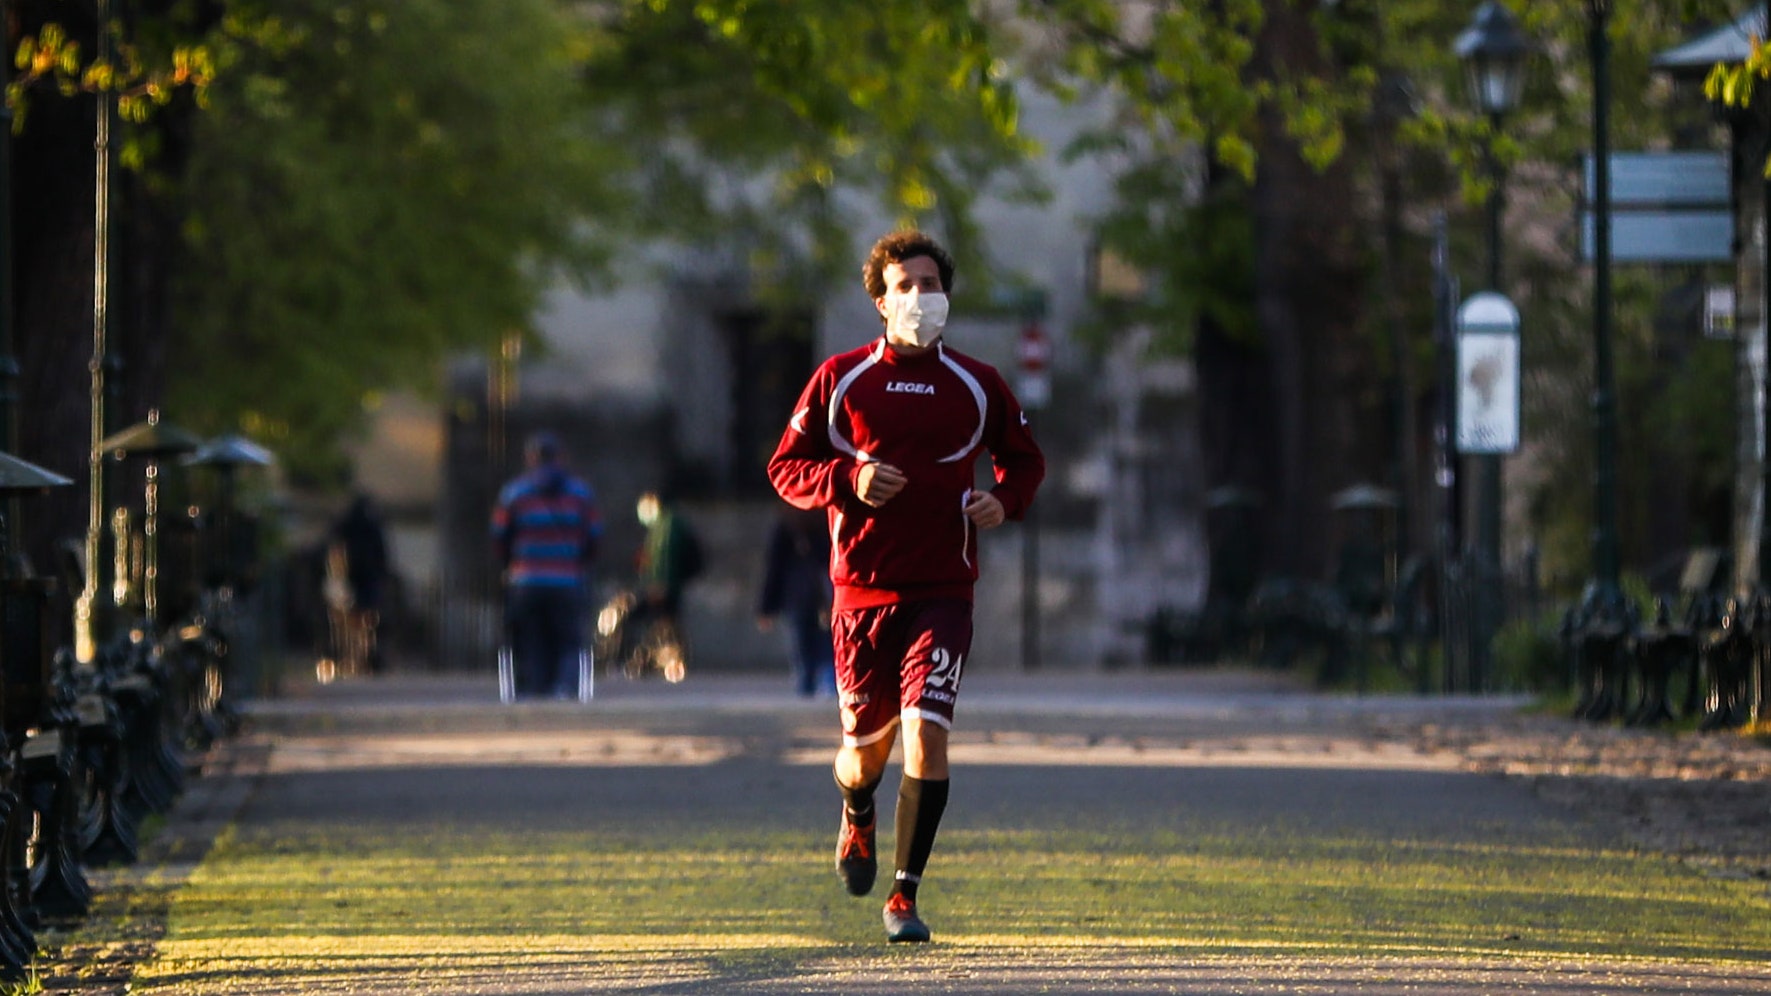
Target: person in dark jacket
(359, 539)
(796, 585)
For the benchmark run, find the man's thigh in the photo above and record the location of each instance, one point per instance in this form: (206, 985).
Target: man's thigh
(900, 660)
(937, 640)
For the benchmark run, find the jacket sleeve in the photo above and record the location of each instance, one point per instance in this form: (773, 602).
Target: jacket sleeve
(1016, 458)
(806, 470)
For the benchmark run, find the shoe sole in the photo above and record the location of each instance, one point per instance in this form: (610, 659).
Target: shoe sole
(907, 932)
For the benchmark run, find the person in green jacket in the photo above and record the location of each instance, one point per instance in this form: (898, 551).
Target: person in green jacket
(669, 558)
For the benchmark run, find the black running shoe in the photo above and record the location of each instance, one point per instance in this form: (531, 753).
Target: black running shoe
(855, 860)
(901, 922)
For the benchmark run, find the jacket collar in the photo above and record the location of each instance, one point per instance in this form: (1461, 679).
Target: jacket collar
(884, 353)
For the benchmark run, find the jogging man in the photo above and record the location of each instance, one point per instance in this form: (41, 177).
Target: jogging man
(884, 439)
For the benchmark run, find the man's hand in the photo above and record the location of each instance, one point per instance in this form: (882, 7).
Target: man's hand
(878, 483)
(984, 510)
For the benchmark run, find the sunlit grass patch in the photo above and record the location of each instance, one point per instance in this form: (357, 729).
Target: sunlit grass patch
(366, 904)
(1277, 889)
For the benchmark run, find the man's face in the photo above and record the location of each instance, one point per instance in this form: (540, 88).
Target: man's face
(918, 273)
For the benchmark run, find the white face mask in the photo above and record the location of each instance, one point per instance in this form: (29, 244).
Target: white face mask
(915, 319)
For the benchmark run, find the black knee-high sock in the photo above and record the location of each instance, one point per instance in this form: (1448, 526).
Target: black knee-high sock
(859, 800)
(920, 805)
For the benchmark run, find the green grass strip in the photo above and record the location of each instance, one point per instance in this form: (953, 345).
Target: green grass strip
(337, 902)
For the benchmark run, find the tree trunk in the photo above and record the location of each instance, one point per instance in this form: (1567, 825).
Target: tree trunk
(1298, 415)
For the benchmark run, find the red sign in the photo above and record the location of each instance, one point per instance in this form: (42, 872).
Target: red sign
(1034, 350)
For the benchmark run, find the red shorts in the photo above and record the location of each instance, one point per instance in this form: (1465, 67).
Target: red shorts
(899, 660)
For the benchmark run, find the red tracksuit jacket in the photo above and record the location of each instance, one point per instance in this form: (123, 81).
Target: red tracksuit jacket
(930, 415)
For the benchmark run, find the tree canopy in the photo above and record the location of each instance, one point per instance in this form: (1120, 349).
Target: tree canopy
(372, 184)
(377, 183)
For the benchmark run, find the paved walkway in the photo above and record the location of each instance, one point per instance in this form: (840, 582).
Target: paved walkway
(1047, 753)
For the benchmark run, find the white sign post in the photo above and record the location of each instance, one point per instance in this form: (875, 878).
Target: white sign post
(1033, 352)
(1487, 375)
(1718, 312)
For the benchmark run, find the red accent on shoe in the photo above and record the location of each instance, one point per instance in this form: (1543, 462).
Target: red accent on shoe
(857, 841)
(855, 862)
(901, 922)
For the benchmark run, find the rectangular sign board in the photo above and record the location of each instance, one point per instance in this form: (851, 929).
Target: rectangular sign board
(1664, 236)
(1664, 179)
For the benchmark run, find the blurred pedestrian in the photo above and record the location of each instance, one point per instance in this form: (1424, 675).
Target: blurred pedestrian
(358, 565)
(670, 556)
(885, 439)
(545, 530)
(796, 585)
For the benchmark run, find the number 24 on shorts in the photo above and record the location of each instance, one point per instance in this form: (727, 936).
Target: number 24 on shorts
(945, 673)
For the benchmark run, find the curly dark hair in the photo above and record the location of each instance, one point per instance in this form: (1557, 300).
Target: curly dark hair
(898, 247)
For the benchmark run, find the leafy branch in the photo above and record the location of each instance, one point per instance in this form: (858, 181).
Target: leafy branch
(52, 60)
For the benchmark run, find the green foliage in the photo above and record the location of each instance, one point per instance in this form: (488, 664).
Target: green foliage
(375, 186)
(1183, 69)
(30, 985)
(1318, 86)
(379, 184)
(141, 77)
(757, 118)
(1528, 655)
(1692, 413)
(1204, 88)
(1198, 254)
(1736, 85)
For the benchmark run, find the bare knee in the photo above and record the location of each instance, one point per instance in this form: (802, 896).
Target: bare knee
(925, 750)
(863, 765)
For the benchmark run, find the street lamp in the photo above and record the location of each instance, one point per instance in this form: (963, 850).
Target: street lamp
(1493, 51)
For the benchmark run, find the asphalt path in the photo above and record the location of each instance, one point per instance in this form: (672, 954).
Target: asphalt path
(1050, 752)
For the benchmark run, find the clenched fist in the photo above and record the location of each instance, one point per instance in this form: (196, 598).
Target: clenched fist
(878, 483)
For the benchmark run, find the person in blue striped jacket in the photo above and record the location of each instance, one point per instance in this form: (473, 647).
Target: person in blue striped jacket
(544, 531)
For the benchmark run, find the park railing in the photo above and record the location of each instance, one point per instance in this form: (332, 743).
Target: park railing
(1699, 656)
(109, 693)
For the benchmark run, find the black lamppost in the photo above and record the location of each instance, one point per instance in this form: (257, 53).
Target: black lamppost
(1604, 587)
(9, 369)
(1493, 51)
